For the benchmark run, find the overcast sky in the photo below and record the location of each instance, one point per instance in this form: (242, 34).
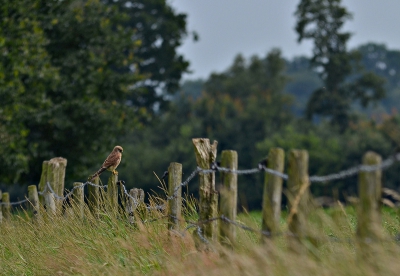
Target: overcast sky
(229, 27)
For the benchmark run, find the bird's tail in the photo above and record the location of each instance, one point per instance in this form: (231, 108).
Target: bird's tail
(102, 169)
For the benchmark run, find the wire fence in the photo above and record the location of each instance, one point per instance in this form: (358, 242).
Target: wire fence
(215, 168)
(261, 168)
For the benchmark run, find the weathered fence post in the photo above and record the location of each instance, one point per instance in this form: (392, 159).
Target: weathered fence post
(59, 175)
(133, 202)
(1, 212)
(228, 204)
(79, 199)
(208, 205)
(50, 203)
(141, 196)
(43, 182)
(34, 201)
(53, 172)
(122, 195)
(174, 190)
(56, 176)
(6, 207)
(370, 193)
(298, 193)
(94, 196)
(272, 195)
(112, 192)
(131, 205)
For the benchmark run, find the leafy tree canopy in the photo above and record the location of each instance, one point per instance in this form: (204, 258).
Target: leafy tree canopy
(322, 22)
(75, 76)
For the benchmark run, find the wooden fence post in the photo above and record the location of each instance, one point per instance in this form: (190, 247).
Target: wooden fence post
(112, 193)
(370, 192)
(94, 196)
(34, 201)
(298, 193)
(208, 205)
(133, 202)
(59, 175)
(122, 195)
(53, 172)
(50, 203)
(1, 212)
(131, 205)
(43, 182)
(228, 204)
(6, 207)
(56, 176)
(175, 190)
(272, 196)
(141, 196)
(79, 199)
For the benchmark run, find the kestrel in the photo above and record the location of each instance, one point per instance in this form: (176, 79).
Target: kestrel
(111, 162)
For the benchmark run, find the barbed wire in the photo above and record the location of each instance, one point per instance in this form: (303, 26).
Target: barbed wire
(215, 168)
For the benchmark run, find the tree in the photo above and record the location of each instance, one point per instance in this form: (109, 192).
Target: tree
(161, 30)
(83, 91)
(26, 73)
(322, 21)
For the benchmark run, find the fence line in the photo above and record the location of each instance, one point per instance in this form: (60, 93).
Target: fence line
(215, 168)
(365, 171)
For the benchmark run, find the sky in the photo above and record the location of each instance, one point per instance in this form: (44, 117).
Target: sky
(253, 27)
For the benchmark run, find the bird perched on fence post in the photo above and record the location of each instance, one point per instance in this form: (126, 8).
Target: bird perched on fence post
(111, 162)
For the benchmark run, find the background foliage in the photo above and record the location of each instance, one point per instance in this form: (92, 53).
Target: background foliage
(74, 80)
(78, 77)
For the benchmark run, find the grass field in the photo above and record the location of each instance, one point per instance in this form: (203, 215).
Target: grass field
(108, 245)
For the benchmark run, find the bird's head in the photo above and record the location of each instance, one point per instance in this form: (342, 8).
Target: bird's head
(118, 148)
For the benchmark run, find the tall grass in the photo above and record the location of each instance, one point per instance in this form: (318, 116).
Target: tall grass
(107, 245)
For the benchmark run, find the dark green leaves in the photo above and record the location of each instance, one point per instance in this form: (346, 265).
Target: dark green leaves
(344, 80)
